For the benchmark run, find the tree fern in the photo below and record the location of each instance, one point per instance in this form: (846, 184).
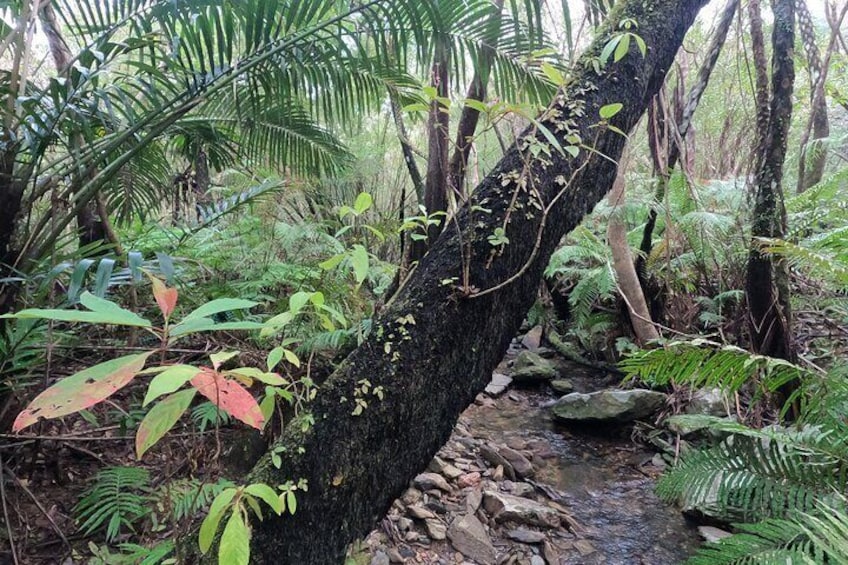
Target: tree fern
(118, 499)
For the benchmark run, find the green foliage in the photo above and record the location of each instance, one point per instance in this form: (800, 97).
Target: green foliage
(118, 500)
(183, 498)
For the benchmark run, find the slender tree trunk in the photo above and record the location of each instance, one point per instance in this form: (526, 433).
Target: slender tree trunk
(758, 50)
(433, 348)
(813, 153)
(625, 271)
(407, 149)
(767, 282)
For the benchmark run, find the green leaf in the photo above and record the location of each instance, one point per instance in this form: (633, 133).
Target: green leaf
(267, 494)
(210, 524)
(217, 306)
(208, 324)
(235, 542)
(274, 357)
(332, 262)
(363, 202)
(476, 105)
(82, 390)
(610, 110)
(161, 419)
(609, 48)
(298, 300)
(416, 107)
(553, 74)
(291, 502)
(291, 357)
(102, 311)
(359, 260)
(169, 380)
(622, 48)
(221, 357)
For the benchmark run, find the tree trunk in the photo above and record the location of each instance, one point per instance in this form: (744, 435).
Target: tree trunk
(433, 348)
(625, 271)
(815, 152)
(767, 282)
(758, 49)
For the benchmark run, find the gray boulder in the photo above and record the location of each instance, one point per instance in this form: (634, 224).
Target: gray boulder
(468, 536)
(531, 368)
(608, 406)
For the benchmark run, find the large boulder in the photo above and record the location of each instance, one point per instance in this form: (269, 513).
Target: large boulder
(531, 368)
(608, 406)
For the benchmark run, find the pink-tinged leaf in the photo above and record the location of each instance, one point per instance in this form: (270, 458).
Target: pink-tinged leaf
(230, 397)
(82, 390)
(161, 419)
(166, 297)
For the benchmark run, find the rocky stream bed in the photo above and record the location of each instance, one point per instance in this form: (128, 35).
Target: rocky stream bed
(515, 485)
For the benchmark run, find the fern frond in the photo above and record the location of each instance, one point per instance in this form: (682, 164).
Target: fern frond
(185, 497)
(118, 499)
(703, 363)
(771, 542)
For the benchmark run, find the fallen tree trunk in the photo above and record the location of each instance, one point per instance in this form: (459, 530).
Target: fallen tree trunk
(434, 347)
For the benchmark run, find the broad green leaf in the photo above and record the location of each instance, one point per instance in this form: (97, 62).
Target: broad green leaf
(553, 74)
(102, 311)
(332, 262)
(291, 502)
(476, 105)
(291, 357)
(217, 306)
(274, 357)
(235, 542)
(169, 380)
(416, 107)
(161, 419)
(609, 48)
(359, 260)
(101, 278)
(82, 390)
(267, 494)
(210, 524)
(298, 300)
(363, 202)
(209, 325)
(254, 505)
(230, 397)
(268, 378)
(221, 357)
(622, 48)
(610, 110)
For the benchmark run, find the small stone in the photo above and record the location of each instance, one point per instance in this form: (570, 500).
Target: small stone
(516, 443)
(436, 529)
(411, 535)
(523, 490)
(404, 524)
(493, 457)
(530, 368)
(505, 507)
(411, 496)
(430, 481)
(380, 558)
(395, 556)
(532, 339)
(550, 553)
(473, 501)
(584, 547)
(523, 468)
(468, 536)
(498, 474)
(498, 384)
(439, 465)
(525, 536)
(537, 560)
(419, 512)
(710, 533)
(468, 480)
(562, 386)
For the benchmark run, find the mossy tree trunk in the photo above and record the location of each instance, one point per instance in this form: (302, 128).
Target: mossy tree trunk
(433, 348)
(767, 282)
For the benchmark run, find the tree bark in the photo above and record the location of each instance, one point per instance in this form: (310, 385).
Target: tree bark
(767, 281)
(434, 346)
(625, 271)
(815, 152)
(758, 49)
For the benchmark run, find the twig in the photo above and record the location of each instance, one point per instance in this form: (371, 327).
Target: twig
(6, 513)
(47, 515)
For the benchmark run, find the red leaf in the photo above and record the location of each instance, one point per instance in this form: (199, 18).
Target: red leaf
(230, 397)
(166, 297)
(81, 390)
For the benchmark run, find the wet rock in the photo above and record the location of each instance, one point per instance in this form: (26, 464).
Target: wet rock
(562, 386)
(505, 507)
(473, 501)
(523, 490)
(430, 481)
(468, 536)
(708, 401)
(525, 536)
(710, 533)
(531, 368)
(523, 468)
(419, 512)
(498, 384)
(492, 456)
(380, 558)
(468, 480)
(608, 406)
(584, 547)
(532, 340)
(436, 529)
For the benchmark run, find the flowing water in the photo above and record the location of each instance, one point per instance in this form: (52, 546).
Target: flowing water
(601, 478)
